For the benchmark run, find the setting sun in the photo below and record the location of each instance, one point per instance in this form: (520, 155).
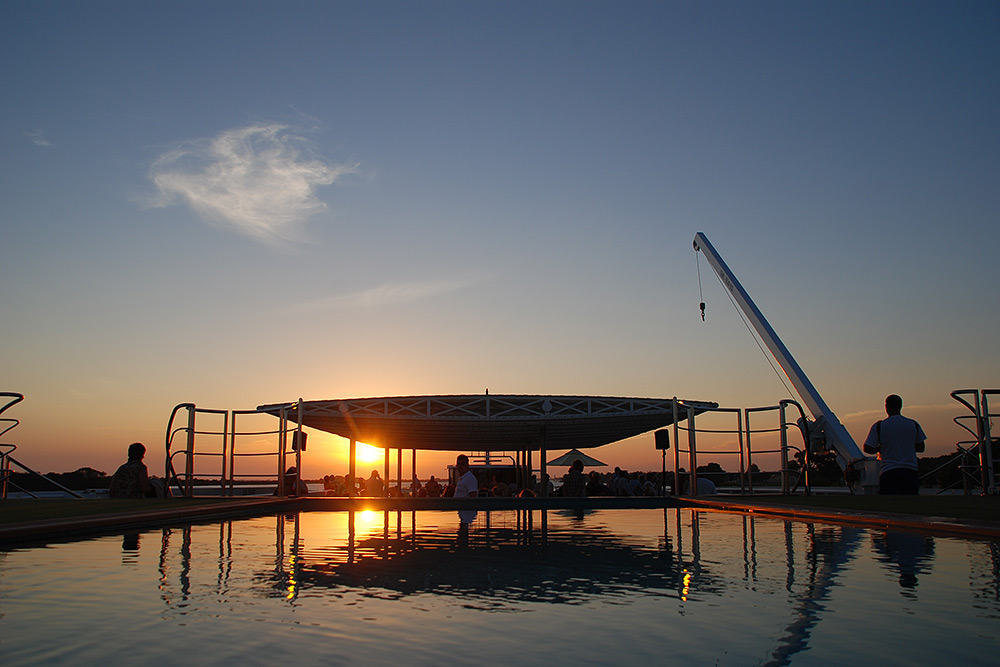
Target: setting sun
(369, 454)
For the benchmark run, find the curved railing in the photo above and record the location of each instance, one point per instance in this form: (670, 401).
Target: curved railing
(744, 445)
(192, 453)
(7, 449)
(981, 448)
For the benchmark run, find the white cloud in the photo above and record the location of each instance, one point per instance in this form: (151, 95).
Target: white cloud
(37, 137)
(259, 180)
(382, 295)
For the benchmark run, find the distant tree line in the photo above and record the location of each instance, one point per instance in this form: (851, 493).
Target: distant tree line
(78, 480)
(935, 472)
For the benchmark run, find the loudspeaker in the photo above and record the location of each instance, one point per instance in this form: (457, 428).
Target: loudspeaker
(662, 439)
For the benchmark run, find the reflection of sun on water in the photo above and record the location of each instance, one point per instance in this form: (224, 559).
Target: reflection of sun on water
(368, 521)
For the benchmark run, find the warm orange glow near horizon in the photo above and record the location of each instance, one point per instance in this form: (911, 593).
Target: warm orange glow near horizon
(369, 454)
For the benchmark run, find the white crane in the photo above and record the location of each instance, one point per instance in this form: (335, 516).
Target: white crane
(826, 430)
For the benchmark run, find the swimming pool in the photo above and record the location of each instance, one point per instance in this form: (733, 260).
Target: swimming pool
(517, 587)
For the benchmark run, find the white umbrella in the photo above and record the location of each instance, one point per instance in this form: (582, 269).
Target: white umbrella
(574, 454)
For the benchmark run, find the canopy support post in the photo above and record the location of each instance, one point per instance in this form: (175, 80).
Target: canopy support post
(352, 489)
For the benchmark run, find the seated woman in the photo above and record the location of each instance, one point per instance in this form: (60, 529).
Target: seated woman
(131, 480)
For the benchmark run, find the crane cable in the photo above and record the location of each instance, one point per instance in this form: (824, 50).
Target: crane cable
(739, 311)
(701, 297)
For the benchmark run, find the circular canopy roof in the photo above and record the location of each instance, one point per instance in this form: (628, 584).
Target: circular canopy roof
(487, 422)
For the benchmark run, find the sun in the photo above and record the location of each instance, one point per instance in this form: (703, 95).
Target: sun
(369, 454)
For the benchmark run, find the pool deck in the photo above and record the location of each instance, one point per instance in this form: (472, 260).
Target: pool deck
(88, 517)
(934, 516)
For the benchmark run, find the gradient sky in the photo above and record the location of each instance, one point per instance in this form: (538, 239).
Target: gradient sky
(237, 203)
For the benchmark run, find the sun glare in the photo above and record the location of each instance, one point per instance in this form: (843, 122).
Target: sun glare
(369, 454)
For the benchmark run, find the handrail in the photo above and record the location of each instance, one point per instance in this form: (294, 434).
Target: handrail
(745, 448)
(979, 407)
(40, 475)
(227, 453)
(15, 398)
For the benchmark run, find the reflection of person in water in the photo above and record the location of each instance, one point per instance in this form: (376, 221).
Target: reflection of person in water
(910, 553)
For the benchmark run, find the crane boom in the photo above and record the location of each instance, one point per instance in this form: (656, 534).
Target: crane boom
(836, 435)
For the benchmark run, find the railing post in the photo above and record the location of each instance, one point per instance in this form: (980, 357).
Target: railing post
(4, 474)
(746, 425)
(189, 457)
(232, 458)
(298, 441)
(692, 452)
(783, 435)
(986, 446)
(282, 442)
(385, 482)
(225, 439)
(677, 451)
(399, 471)
(743, 464)
(352, 489)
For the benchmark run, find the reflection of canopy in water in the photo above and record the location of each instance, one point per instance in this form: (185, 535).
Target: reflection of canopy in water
(499, 567)
(487, 422)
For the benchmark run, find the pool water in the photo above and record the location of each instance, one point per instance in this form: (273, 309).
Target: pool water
(514, 587)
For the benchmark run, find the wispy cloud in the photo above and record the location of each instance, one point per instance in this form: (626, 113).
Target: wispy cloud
(260, 180)
(879, 413)
(382, 295)
(37, 137)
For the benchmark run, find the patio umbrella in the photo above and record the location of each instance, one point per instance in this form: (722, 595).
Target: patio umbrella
(574, 454)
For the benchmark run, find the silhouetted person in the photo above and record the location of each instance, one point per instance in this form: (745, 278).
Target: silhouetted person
(131, 480)
(433, 488)
(574, 483)
(294, 485)
(896, 439)
(466, 486)
(374, 486)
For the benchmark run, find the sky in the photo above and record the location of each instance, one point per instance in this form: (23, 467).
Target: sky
(241, 203)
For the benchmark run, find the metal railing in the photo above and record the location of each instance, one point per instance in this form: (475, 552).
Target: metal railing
(977, 401)
(7, 449)
(744, 449)
(221, 450)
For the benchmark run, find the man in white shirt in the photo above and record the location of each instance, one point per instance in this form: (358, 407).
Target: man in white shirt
(896, 439)
(467, 486)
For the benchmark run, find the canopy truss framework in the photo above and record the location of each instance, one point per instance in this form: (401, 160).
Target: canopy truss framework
(486, 422)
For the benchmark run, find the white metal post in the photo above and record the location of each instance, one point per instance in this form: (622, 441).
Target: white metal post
(986, 447)
(189, 459)
(677, 451)
(693, 474)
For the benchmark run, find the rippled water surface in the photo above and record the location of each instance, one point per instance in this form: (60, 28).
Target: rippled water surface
(514, 587)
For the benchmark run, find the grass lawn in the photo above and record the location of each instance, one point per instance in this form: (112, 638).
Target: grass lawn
(969, 508)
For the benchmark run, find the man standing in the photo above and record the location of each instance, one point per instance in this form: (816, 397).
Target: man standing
(896, 439)
(466, 486)
(574, 483)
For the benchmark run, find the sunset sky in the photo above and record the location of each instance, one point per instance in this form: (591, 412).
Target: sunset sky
(239, 203)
